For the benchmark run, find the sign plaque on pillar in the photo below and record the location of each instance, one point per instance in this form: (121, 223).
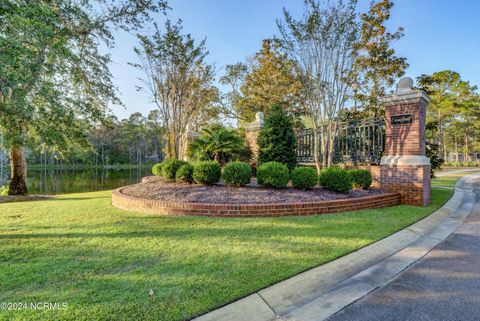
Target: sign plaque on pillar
(401, 119)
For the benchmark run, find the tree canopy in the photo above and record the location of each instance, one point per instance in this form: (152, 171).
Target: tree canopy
(53, 71)
(322, 44)
(179, 81)
(376, 66)
(271, 81)
(267, 79)
(453, 112)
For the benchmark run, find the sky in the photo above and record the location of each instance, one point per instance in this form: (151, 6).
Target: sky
(439, 35)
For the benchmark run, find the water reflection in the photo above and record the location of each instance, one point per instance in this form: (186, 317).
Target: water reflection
(61, 181)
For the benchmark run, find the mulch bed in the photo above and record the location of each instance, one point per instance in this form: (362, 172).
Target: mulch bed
(28, 198)
(156, 188)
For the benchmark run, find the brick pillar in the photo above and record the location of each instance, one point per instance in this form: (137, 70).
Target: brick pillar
(404, 167)
(251, 134)
(189, 137)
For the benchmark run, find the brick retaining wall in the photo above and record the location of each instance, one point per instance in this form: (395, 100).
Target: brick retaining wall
(131, 203)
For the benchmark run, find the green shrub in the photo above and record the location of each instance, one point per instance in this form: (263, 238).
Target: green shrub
(170, 168)
(335, 179)
(216, 143)
(207, 172)
(361, 178)
(273, 174)
(277, 141)
(157, 169)
(304, 177)
(237, 174)
(185, 174)
(3, 190)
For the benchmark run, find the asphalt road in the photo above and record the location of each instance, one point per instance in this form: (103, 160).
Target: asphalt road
(444, 285)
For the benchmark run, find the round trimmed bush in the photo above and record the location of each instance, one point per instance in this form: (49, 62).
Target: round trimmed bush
(361, 178)
(273, 174)
(207, 172)
(335, 179)
(157, 169)
(304, 177)
(170, 168)
(185, 174)
(237, 174)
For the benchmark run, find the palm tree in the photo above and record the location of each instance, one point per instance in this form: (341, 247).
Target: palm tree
(216, 144)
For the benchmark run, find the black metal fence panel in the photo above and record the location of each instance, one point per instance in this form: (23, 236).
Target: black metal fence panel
(356, 142)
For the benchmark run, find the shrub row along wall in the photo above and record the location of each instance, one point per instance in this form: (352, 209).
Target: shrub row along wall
(374, 170)
(126, 202)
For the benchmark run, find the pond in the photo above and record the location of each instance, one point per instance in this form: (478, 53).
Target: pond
(63, 181)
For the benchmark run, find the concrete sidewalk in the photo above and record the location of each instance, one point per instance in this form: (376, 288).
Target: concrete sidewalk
(321, 292)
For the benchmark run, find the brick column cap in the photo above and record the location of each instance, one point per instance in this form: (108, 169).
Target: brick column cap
(193, 135)
(190, 133)
(412, 160)
(405, 97)
(257, 124)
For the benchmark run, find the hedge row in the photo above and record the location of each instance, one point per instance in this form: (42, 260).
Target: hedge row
(270, 174)
(180, 171)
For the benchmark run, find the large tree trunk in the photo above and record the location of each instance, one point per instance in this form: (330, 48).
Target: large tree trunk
(440, 135)
(332, 132)
(18, 172)
(323, 146)
(444, 140)
(316, 149)
(456, 150)
(466, 158)
(1, 157)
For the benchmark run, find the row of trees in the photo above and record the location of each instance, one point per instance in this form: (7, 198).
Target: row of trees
(453, 115)
(320, 65)
(135, 141)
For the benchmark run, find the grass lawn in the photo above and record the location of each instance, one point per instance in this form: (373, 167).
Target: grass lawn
(451, 179)
(103, 262)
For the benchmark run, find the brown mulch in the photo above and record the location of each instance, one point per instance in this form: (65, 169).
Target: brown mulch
(157, 189)
(28, 198)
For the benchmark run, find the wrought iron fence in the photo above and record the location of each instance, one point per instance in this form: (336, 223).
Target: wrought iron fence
(357, 142)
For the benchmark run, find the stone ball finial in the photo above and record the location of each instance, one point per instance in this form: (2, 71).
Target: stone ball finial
(405, 84)
(259, 117)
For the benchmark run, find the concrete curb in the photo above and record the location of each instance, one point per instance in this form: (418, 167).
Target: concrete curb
(322, 291)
